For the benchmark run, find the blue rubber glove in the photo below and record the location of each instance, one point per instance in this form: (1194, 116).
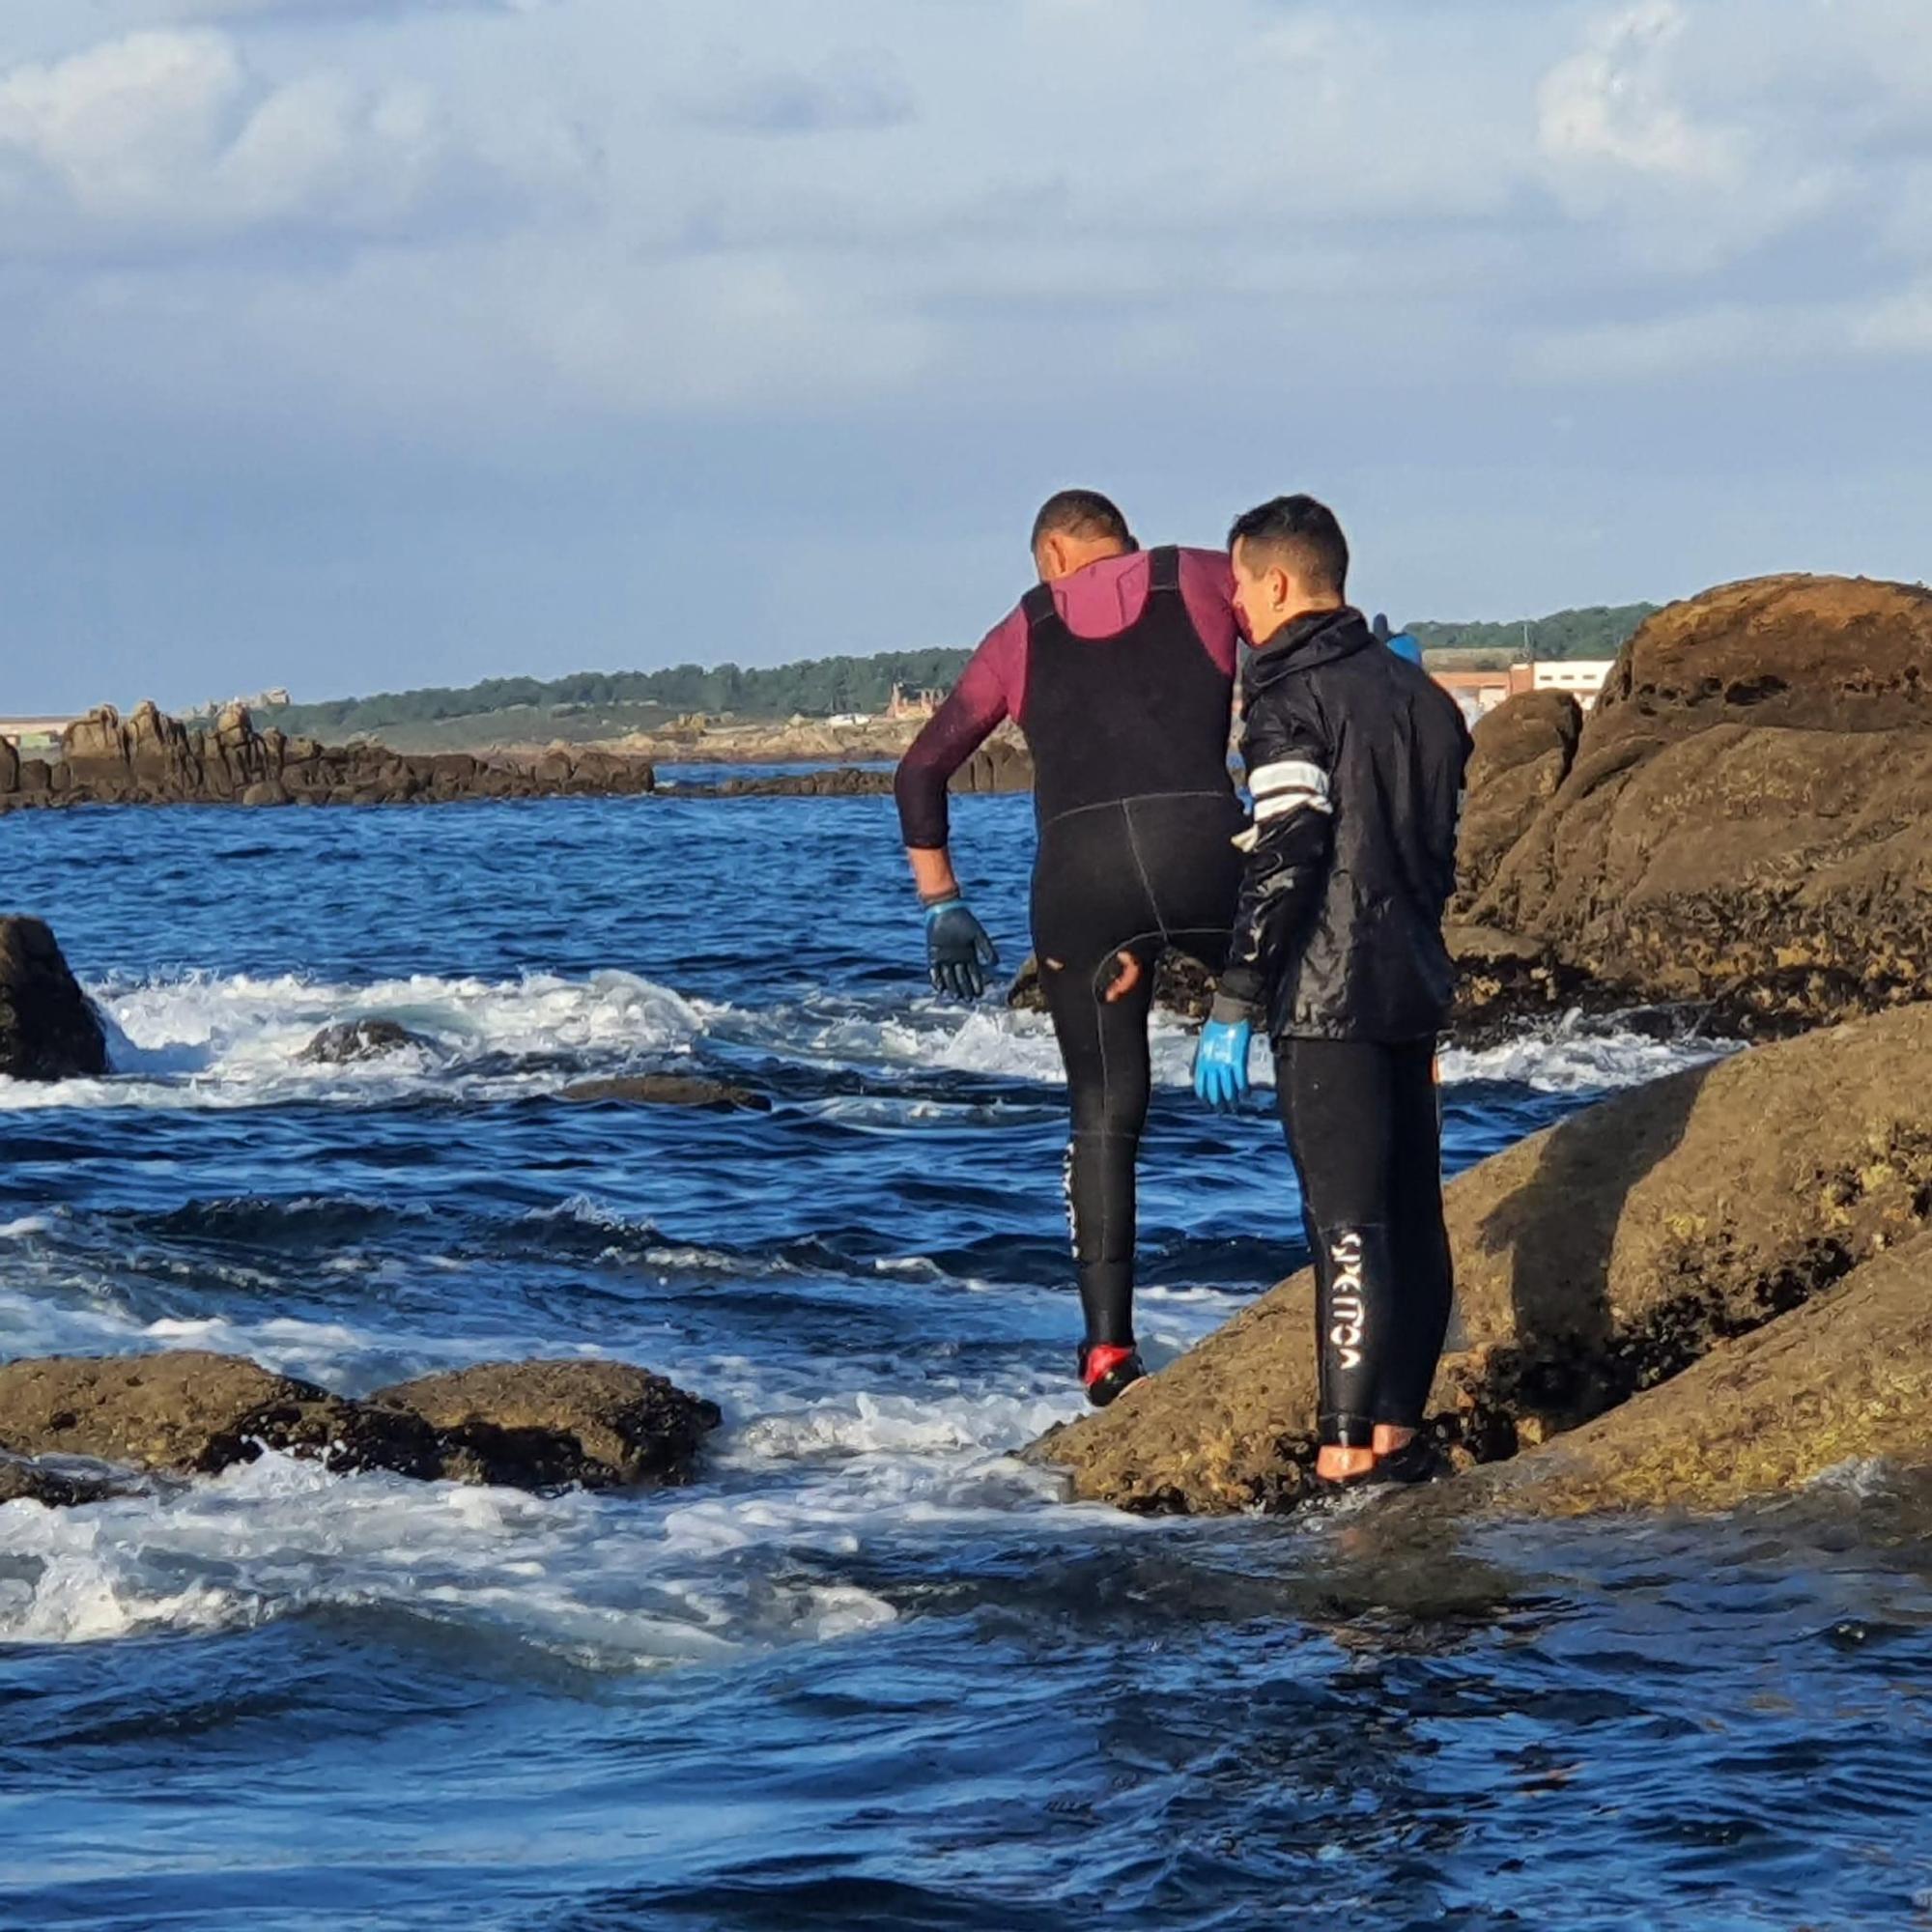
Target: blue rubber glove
(958, 950)
(1221, 1063)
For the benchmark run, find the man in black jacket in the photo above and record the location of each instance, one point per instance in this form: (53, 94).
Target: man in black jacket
(1354, 759)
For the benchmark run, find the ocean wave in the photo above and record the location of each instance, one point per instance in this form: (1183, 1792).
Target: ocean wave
(610, 1581)
(205, 1040)
(1575, 1055)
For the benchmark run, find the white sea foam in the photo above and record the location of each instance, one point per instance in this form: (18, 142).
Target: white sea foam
(205, 1040)
(1566, 1057)
(1571, 1057)
(611, 1581)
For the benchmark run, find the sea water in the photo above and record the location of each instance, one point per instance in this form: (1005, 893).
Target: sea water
(870, 1669)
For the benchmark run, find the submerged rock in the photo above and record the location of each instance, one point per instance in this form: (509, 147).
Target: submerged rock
(1594, 1261)
(23, 1479)
(666, 1089)
(49, 1028)
(541, 1425)
(350, 1041)
(529, 1425)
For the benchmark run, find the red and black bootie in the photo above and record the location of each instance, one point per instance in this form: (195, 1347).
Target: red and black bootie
(1106, 1369)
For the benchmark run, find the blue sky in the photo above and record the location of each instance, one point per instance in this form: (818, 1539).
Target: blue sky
(355, 344)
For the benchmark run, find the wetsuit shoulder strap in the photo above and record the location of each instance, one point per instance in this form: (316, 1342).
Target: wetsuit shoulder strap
(1040, 607)
(1163, 570)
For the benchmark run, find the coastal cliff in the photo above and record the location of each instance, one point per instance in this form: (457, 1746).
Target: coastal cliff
(1738, 828)
(152, 758)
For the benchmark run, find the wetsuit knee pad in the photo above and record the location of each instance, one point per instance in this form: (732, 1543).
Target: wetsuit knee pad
(1355, 1304)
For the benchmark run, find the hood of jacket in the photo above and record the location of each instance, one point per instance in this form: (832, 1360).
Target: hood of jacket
(1317, 638)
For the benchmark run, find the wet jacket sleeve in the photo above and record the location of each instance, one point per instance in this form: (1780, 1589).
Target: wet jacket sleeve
(986, 694)
(1289, 766)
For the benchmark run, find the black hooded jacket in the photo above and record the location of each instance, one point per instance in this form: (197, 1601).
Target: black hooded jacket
(1355, 757)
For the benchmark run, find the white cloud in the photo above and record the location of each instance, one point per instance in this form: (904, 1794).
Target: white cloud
(166, 137)
(1615, 103)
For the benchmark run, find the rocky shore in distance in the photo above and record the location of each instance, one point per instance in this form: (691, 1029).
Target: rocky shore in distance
(1001, 765)
(152, 758)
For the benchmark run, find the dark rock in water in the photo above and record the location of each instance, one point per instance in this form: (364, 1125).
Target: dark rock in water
(1001, 764)
(1744, 824)
(25, 1480)
(49, 1028)
(195, 1414)
(349, 1040)
(540, 1425)
(666, 1089)
(1593, 1262)
(154, 759)
(531, 1425)
(830, 782)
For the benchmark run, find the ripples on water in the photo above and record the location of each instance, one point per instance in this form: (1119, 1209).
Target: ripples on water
(870, 1671)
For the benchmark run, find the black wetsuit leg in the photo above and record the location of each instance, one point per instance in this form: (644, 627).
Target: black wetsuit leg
(1364, 1134)
(1135, 876)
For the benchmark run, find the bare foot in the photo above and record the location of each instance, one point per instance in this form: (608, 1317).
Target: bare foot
(1389, 1438)
(1336, 1464)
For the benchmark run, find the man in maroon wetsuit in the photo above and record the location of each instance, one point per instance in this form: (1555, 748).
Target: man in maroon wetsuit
(1119, 668)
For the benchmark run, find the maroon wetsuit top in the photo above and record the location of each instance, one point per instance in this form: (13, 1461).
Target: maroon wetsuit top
(1100, 603)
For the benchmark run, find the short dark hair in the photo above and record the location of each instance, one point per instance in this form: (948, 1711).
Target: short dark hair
(1082, 513)
(1300, 534)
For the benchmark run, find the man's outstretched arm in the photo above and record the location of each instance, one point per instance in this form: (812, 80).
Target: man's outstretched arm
(958, 950)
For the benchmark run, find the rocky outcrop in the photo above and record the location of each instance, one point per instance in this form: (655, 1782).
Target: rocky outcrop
(526, 1425)
(349, 1042)
(666, 1089)
(192, 1413)
(1001, 764)
(1847, 1382)
(154, 759)
(1524, 749)
(49, 1028)
(543, 1425)
(1593, 1262)
(1744, 823)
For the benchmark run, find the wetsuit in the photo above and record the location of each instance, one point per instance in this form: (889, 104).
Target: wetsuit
(1136, 811)
(1355, 760)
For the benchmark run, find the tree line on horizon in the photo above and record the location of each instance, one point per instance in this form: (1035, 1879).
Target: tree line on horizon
(829, 687)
